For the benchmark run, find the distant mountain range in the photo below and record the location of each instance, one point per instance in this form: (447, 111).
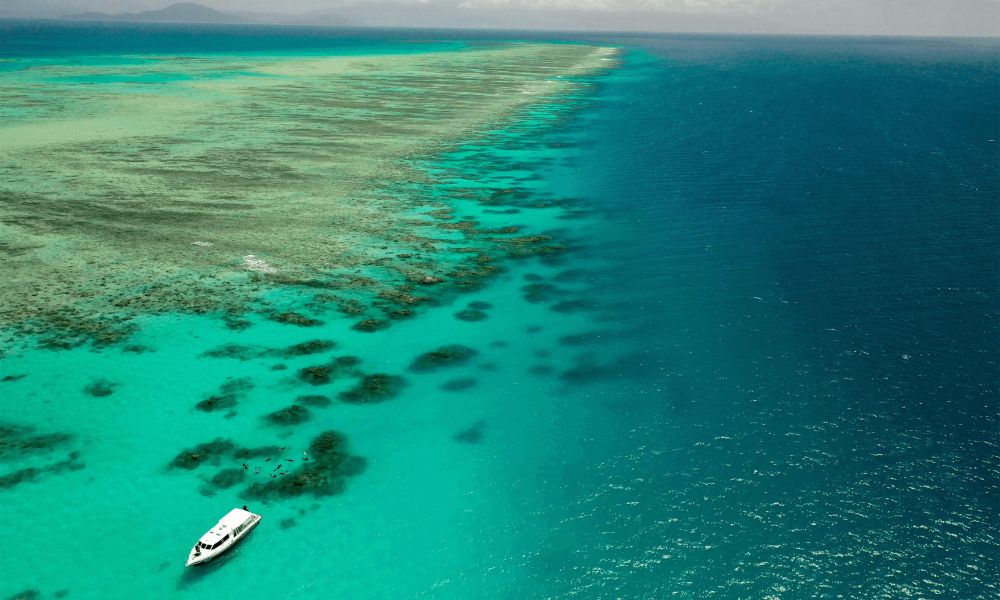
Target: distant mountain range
(913, 17)
(377, 13)
(182, 12)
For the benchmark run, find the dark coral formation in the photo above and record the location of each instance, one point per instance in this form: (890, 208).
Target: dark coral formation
(315, 400)
(591, 367)
(471, 314)
(370, 325)
(210, 453)
(17, 441)
(227, 478)
(228, 396)
(472, 434)
(457, 385)
(290, 415)
(317, 374)
(445, 356)
(323, 374)
(286, 523)
(31, 473)
(136, 349)
(377, 387)
(265, 451)
(100, 388)
(13, 378)
(324, 475)
(294, 318)
(236, 351)
(216, 402)
(237, 324)
(539, 292)
(347, 361)
(307, 348)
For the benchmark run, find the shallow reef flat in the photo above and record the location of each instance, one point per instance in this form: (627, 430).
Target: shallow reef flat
(199, 183)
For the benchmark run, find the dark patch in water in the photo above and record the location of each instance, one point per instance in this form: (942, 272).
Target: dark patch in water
(533, 328)
(316, 400)
(533, 277)
(210, 453)
(286, 523)
(137, 349)
(229, 394)
(316, 374)
(377, 387)
(590, 368)
(290, 415)
(471, 314)
(541, 370)
(307, 348)
(471, 435)
(325, 475)
(347, 361)
(294, 318)
(445, 356)
(214, 403)
(400, 314)
(457, 385)
(539, 292)
(100, 388)
(31, 473)
(227, 478)
(572, 306)
(370, 325)
(498, 344)
(12, 378)
(237, 351)
(30, 594)
(279, 367)
(259, 451)
(480, 305)
(237, 324)
(17, 441)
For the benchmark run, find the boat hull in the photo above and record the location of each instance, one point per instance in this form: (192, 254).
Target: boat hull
(208, 556)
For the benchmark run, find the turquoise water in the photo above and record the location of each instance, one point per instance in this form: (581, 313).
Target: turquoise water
(767, 367)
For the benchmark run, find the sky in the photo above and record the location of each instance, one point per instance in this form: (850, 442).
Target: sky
(864, 17)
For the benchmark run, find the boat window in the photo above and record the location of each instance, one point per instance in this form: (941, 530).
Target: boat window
(219, 543)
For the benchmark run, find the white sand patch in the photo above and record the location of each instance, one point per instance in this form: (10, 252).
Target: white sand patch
(255, 264)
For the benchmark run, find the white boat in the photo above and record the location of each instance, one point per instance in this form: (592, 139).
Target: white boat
(227, 533)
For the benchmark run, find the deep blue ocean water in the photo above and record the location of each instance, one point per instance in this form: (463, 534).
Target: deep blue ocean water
(784, 383)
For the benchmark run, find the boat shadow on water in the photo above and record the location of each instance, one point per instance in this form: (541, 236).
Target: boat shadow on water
(196, 573)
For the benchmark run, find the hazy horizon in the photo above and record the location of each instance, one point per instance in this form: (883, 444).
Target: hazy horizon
(979, 18)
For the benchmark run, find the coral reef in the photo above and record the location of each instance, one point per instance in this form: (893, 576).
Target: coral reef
(100, 388)
(377, 387)
(324, 475)
(445, 356)
(290, 415)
